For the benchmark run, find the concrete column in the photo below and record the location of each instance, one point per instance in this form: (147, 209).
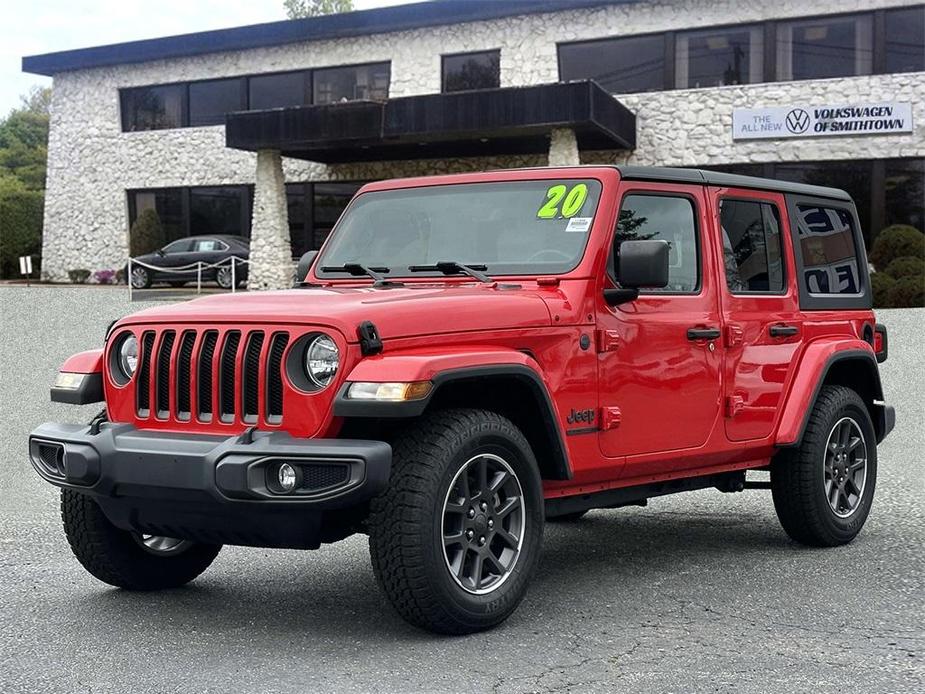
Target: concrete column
(271, 250)
(563, 148)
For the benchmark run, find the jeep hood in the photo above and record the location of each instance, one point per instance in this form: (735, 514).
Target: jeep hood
(421, 309)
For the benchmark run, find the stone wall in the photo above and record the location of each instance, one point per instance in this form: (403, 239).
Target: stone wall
(92, 162)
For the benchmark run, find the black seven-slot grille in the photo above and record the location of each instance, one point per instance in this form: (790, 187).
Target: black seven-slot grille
(210, 373)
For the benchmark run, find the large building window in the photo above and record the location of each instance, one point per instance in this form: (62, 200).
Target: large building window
(719, 57)
(153, 108)
(366, 82)
(885, 191)
(279, 90)
(175, 213)
(838, 46)
(904, 192)
(620, 65)
(471, 71)
(904, 33)
(209, 101)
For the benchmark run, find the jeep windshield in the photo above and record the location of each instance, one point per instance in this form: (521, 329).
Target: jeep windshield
(505, 228)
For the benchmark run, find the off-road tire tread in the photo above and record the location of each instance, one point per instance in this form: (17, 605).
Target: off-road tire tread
(794, 486)
(399, 522)
(111, 555)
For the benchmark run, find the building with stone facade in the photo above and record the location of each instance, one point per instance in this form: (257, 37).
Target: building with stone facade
(268, 130)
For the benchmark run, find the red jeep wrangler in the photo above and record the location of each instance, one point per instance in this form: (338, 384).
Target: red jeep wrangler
(471, 355)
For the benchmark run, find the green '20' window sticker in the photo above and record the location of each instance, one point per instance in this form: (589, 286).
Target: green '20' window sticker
(562, 202)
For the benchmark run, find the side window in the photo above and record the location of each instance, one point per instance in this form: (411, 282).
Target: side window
(752, 247)
(826, 236)
(181, 246)
(206, 245)
(666, 218)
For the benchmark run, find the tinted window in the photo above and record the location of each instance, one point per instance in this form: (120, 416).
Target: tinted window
(852, 176)
(905, 192)
(219, 210)
(634, 64)
(153, 108)
(905, 40)
(825, 47)
(208, 245)
(367, 82)
(181, 246)
(210, 101)
(826, 236)
(670, 219)
(719, 57)
(752, 247)
(471, 71)
(279, 90)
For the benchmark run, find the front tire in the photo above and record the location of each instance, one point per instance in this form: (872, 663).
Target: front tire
(823, 490)
(129, 560)
(456, 537)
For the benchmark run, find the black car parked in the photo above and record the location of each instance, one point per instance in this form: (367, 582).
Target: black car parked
(185, 253)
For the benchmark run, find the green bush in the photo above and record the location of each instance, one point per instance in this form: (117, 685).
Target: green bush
(906, 266)
(78, 275)
(881, 283)
(147, 234)
(909, 292)
(20, 229)
(897, 241)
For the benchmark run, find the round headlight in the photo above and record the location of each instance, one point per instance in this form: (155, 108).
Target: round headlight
(321, 360)
(128, 356)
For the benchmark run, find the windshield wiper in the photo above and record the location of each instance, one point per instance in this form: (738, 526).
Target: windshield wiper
(451, 267)
(358, 270)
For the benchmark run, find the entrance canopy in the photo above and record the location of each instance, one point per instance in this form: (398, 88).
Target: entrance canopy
(509, 120)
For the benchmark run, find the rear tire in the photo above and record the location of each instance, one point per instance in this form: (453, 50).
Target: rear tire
(141, 278)
(464, 485)
(823, 489)
(124, 559)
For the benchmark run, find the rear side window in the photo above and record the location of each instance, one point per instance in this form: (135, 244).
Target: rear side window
(826, 236)
(752, 247)
(665, 218)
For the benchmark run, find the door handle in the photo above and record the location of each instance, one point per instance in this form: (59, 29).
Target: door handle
(703, 333)
(783, 330)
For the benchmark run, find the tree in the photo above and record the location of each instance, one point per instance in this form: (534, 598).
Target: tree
(296, 9)
(24, 139)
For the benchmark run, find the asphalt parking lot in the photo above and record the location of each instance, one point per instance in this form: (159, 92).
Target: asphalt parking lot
(698, 592)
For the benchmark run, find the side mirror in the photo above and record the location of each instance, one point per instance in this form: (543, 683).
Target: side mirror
(305, 264)
(161, 252)
(641, 264)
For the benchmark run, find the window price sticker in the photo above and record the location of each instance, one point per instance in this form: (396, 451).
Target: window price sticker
(579, 224)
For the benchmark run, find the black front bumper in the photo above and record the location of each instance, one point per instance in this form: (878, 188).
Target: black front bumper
(213, 488)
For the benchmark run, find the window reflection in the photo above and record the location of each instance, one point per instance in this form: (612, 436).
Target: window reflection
(719, 57)
(825, 47)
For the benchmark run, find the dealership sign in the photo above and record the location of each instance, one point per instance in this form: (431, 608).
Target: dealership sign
(821, 121)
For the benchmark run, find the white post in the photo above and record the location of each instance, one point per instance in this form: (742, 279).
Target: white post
(234, 279)
(129, 280)
(198, 276)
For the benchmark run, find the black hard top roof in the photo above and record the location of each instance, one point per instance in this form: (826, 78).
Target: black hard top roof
(718, 178)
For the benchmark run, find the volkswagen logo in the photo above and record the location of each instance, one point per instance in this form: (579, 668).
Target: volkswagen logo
(798, 121)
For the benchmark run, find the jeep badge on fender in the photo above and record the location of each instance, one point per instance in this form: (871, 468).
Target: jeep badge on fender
(469, 356)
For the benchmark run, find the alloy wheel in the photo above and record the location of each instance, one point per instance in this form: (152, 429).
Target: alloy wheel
(483, 524)
(223, 277)
(139, 277)
(845, 467)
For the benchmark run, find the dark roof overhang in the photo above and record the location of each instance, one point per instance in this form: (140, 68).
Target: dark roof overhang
(334, 26)
(509, 120)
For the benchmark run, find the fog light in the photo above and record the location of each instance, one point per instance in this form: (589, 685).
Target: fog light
(286, 476)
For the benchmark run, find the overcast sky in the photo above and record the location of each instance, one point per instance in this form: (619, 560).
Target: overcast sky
(29, 27)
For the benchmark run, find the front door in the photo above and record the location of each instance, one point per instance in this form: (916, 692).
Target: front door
(660, 356)
(760, 308)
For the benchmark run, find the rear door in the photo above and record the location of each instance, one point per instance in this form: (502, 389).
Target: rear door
(761, 319)
(659, 357)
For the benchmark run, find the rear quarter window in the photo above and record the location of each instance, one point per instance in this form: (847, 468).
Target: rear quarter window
(831, 259)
